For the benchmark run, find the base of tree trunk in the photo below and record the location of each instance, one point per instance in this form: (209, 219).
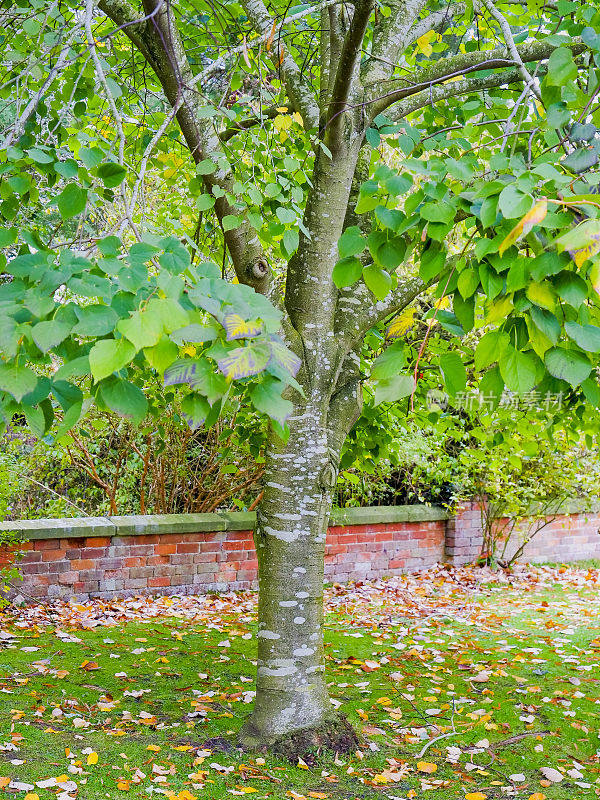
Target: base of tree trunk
(334, 735)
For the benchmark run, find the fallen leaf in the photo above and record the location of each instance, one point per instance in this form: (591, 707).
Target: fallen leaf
(552, 774)
(426, 766)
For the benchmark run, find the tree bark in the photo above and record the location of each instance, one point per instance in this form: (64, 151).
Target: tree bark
(300, 477)
(290, 545)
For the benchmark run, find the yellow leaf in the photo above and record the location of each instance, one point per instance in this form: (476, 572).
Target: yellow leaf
(92, 758)
(185, 795)
(426, 766)
(282, 122)
(424, 43)
(475, 796)
(522, 228)
(32, 796)
(302, 764)
(124, 786)
(401, 323)
(154, 747)
(4, 782)
(246, 789)
(537, 796)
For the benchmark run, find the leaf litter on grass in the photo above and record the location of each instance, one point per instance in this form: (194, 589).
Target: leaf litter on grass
(463, 683)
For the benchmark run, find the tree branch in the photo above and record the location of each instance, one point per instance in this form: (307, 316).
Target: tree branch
(297, 87)
(465, 63)
(354, 323)
(347, 65)
(454, 89)
(165, 53)
(389, 39)
(434, 22)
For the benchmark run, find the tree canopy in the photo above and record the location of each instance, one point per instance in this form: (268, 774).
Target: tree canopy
(207, 201)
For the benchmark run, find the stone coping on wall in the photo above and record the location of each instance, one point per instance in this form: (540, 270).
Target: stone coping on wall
(148, 524)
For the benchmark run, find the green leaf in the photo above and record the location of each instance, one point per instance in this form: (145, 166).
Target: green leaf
(490, 348)
(91, 156)
(347, 271)
(194, 409)
(391, 253)
(390, 218)
(591, 391)
(168, 312)
(581, 160)
(143, 329)
(468, 282)
(586, 336)
(351, 242)
(230, 222)
(389, 363)
(206, 167)
(547, 323)
(17, 380)
(111, 174)
(204, 202)
(71, 201)
(7, 236)
(9, 337)
(561, 67)
(518, 369)
(542, 295)
(36, 419)
(48, 334)
(162, 355)
(571, 288)
(438, 212)
(291, 240)
(464, 311)
(568, 365)
(110, 355)
(266, 398)
(432, 262)
(491, 387)
(95, 320)
(195, 333)
(285, 215)
(513, 203)
(395, 388)
(124, 398)
(454, 372)
(378, 281)
(40, 156)
(71, 417)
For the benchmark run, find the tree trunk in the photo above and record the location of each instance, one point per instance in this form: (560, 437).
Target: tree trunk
(290, 544)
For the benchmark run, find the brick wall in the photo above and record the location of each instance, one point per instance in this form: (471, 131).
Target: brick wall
(215, 552)
(573, 535)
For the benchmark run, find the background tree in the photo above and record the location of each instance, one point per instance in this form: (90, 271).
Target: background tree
(347, 157)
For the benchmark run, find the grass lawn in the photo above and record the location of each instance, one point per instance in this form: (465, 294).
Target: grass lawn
(143, 697)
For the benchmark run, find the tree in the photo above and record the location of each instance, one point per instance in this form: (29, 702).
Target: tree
(343, 165)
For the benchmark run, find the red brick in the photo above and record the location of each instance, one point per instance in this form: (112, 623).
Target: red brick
(68, 577)
(83, 563)
(165, 549)
(45, 544)
(97, 541)
(188, 547)
(136, 561)
(53, 555)
(155, 583)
